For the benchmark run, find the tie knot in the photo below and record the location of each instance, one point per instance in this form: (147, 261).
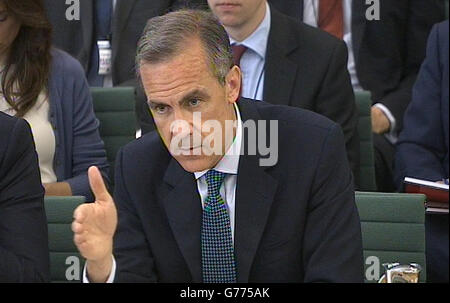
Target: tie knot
(214, 179)
(238, 51)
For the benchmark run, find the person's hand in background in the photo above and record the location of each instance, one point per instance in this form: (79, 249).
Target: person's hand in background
(380, 123)
(94, 226)
(57, 189)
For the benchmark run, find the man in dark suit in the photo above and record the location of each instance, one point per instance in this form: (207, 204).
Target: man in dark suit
(24, 255)
(188, 214)
(422, 150)
(288, 63)
(385, 57)
(120, 22)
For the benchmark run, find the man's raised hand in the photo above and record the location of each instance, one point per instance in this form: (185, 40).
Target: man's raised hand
(94, 226)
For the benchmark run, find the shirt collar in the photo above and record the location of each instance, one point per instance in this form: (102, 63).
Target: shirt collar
(257, 41)
(229, 164)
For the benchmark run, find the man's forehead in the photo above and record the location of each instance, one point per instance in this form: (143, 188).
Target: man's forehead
(175, 65)
(168, 76)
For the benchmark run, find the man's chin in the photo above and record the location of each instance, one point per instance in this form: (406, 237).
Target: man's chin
(193, 163)
(230, 20)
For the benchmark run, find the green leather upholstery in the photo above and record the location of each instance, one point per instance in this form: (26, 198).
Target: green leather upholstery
(393, 228)
(59, 212)
(115, 109)
(367, 163)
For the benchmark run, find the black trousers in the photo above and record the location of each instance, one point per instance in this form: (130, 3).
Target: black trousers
(384, 154)
(436, 237)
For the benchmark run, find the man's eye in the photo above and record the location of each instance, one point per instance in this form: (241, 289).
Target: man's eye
(194, 102)
(3, 16)
(160, 109)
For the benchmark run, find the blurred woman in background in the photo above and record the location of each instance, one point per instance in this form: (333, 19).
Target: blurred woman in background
(47, 87)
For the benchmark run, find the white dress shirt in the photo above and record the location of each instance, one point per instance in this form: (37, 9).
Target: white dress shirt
(229, 164)
(311, 17)
(253, 60)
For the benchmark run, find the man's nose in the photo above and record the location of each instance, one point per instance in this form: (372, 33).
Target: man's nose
(181, 125)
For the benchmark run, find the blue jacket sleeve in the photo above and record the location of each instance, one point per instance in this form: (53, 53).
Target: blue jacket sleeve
(88, 148)
(421, 148)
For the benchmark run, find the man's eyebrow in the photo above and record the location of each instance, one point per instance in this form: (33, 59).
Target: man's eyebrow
(155, 103)
(197, 93)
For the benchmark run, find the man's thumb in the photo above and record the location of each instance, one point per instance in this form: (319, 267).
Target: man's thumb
(98, 186)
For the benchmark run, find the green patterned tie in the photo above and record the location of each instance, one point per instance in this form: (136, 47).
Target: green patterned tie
(218, 260)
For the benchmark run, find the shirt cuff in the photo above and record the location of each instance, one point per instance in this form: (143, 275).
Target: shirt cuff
(111, 275)
(392, 135)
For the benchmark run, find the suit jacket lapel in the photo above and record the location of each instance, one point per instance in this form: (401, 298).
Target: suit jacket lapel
(121, 16)
(87, 27)
(184, 212)
(254, 196)
(280, 70)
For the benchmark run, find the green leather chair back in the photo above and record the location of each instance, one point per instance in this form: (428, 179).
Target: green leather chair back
(367, 163)
(65, 261)
(393, 229)
(115, 109)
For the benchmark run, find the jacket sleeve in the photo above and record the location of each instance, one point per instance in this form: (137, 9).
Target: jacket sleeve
(88, 147)
(24, 254)
(421, 148)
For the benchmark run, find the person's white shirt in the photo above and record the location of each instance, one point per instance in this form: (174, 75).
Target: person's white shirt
(311, 17)
(253, 61)
(229, 164)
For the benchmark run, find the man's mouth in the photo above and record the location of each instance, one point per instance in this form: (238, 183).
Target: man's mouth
(228, 5)
(189, 148)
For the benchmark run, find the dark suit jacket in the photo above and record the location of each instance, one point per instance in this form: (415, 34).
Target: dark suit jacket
(422, 150)
(295, 221)
(24, 255)
(307, 68)
(389, 52)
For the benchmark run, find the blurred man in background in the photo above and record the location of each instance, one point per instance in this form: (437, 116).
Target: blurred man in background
(288, 63)
(384, 57)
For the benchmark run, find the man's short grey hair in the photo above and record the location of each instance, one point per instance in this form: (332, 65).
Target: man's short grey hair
(165, 36)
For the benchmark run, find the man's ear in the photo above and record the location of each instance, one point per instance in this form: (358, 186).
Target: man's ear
(233, 82)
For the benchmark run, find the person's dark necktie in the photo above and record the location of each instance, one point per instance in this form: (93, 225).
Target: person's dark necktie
(218, 261)
(102, 26)
(331, 17)
(238, 51)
